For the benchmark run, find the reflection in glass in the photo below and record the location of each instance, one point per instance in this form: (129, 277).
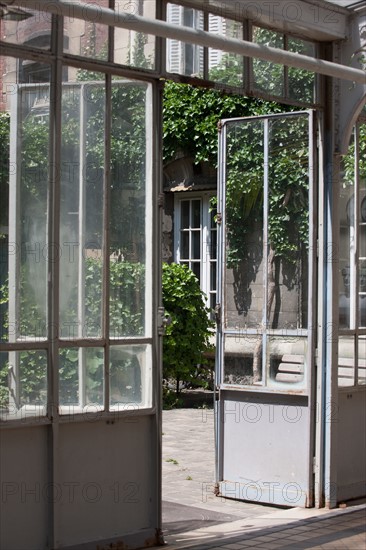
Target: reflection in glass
(81, 377)
(28, 27)
(128, 229)
(86, 38)
(23, 383)
(301, 83)
(225, 67)
(28, 203)
(288, 223)
(81, 215)
(286, 360)
(346, 361)
(347, 241)
(242, 359)
(244, 224)
(362, 294)
(130, 376)
(184, 58)
(362, 359)
(268, 77)
(133, 48)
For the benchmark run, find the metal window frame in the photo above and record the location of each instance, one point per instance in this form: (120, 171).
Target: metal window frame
(355, 330)
(309, 333)
(57, 59)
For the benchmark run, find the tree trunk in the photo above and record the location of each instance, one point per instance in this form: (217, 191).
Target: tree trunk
(271, 284)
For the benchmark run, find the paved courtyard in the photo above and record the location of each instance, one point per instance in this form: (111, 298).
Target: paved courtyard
(194, 517)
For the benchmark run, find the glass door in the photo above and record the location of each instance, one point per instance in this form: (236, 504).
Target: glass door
(265, 354)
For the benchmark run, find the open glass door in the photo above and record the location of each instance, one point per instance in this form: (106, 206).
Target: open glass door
(266, 309)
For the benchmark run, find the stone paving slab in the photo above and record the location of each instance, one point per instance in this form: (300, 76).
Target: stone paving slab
(193, 517)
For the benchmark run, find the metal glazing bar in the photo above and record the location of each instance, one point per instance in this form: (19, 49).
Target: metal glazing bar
(106, 234)
(357, 236)
(91, 12)
(312, 249)
(266, 247)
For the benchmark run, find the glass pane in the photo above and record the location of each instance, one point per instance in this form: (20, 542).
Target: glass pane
(213, 276)
(244, 224)
(130, 376)
(81, 211)
(347, 240)
(130, 224)
(86, 38)
(196, 213)
(268, 77)
(196, 268)
(28, 215)
(196, 245)
(184, 58)
(288, 223)
(363, 234)
(130, 47)
(81, 378)
(23, 384)
(184, 214)
(7, 250)
(225, 67)
(362, 360)
(242, 359)
(301, 83)
(213, 214)
(184, 245)
(25, 26)
(346, 361)
(362, 295)
(24, 174)
(213, 247)
(286, 360)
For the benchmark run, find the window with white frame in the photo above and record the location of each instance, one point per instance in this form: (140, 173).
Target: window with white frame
(195, 240)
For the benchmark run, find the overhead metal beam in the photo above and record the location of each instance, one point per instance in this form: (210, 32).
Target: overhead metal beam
(97, 14)
(314, 19)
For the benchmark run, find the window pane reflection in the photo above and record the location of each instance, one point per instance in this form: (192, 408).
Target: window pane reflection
(128, 228)
(130, 376)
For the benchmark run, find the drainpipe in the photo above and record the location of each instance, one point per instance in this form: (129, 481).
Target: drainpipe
(163, 29)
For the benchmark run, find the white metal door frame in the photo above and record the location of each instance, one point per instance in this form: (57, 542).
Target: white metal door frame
(225, 392)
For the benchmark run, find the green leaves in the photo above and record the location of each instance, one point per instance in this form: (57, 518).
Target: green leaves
(191, 114)
(187, 336)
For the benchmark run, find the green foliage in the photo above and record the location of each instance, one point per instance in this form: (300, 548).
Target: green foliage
(349, 159)
(126, 318)
(288, 186)
(187, 336)
(229, 71)
(191, 116)
(4, 165)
